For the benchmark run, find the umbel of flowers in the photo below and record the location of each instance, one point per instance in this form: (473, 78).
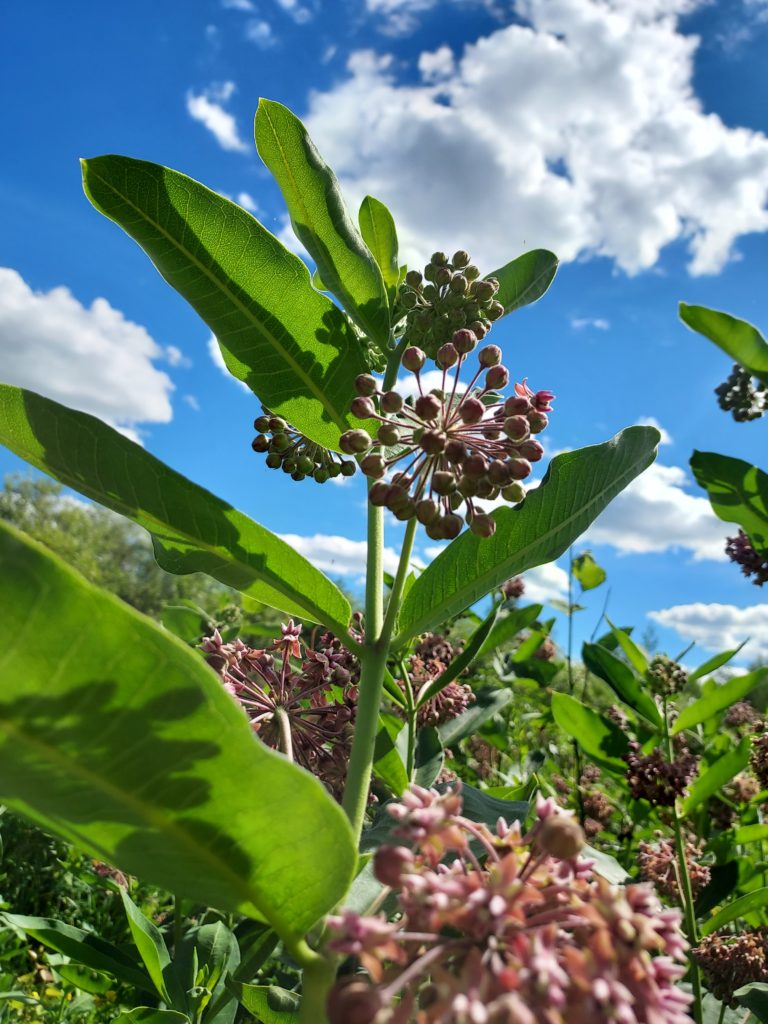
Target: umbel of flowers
(496, 927)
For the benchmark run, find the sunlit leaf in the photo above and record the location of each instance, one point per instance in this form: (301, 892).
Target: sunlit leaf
(720, 697)
(738, 338)
(525, 279)
(596, 735)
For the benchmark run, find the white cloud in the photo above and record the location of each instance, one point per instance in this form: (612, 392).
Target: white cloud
(176, 357)
(338, 555)
(218, 360)
(655, 513)
(651, 421)
(300, 14)
(88, 357)
(545, 583)
(192, 402)
(206, 107)
(579, 130)
(578, 323)
(260, 32)
(437, 65)
(246, 200)
(719, 626)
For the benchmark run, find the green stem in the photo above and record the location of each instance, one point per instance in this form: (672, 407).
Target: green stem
(410, 706)
(571, 684)
(721, 1017)
(685, 883)
(286, 740)
(396, 595)
(317, 980)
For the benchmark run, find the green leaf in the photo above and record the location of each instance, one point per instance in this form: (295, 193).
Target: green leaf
(85, 948)
(121, 740)
(377, 227)
(86, 980)
(714, 663)
(739, 339)
(387, 762)
(148, 1015)
(430, 757)
(186, 621)
(633, 653)
(606, 866)
(506, 627)
(750, 833)
(723, 880)
(577, 487)
(622, 681)
(270, 1004)
(291, 345)
(732, 911)
(713, 779)
(320, 219)
(588, 572)
(479, 806)
(529, 646)
(487, 704)
(755, 997)
(718, 699)
(151, 947)
(461, 662)
(738, 493)
(525, 279)
(596, 735)
(192, 530)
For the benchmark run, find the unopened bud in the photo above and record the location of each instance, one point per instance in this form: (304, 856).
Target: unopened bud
(363, 408)
(353, 1001)
(365, 384)
(482, 525)
(373, 466)
(517, 405)
(447, 356)
(489, 356)
(460, 259)
(413, 359)
(475, 465)
(378, 493)
(388, 434)
(519, 468)
(482, 290)
(464, 340)
(495, 311)
(355, 442)
(471, 410)
(451, 526)
(261, 424)
(427, 511)
(537, 421)
(260, 443)
(455, 450)
(439, 259)
(433, 442)
(389, 864)
(497, 377)
(560, 836)
(443, 482)
(532, 450)
(516, 428)
(413, 278)
(442, 277)
(348, 468)
(427, 407)
(391, 402)
(513, 493)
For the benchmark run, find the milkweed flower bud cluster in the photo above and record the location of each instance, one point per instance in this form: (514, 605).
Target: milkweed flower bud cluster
(651, 777)
(730, 961)
(742, 713)
(449, 294)
(432, 656)
(294, 453)
(658, 864)
(758, 759)
(452, 445)
(514, 588)
(741, 551)
(310, 704)
(665, 677)
(739, 395)
(497, 927)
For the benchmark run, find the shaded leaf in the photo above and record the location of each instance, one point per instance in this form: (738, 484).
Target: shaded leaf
(149, 1015)
(596, 735)
(723, 880)
(269, 1003)
(487, 704)
(733, 911)
(738, 492)
(461, 661)
(737, 338)
(717, 699)
(429, 757)
(622, 680)
(755, 997)
(712, 779)
(479, 806)
(525, 279)
(506, 627)
(387, 762)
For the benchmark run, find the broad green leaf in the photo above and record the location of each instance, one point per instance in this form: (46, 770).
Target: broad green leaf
(755, 997)
(187, 621)
(151, 946)
(606, 866)
(622, 681)
(739, 339)
(714, 663)
(192, 530)
(529, 646)
(525, 279)
(733, 911)
(738, 492)
(121, 740)
(577, 487)
(588, 572)
(487, 704)
(218, 954)
(377, 226)
(712, 779)
(718, 699)
(291, 345)
(596, 735)
(461, 662)
(387, 762)
(149, 1015)
(478, 805)
(506, 627)
(635, 656)
(430, 757)
(87, 980)
(270, 1004)
(751, 833)
(84, 948)
(320, 219)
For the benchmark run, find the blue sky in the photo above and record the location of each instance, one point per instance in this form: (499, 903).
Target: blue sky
(630, 136)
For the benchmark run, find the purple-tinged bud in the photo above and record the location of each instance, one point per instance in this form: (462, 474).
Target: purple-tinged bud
(460, 259)
(353, 1001)
(560, 836)
(447, 356)
(355, 442)
(433, 442)
(426, 512)
(484, 488)
(397, 497)
(390, 862)
(348, 468)
(471, 410)
(388, 434)
(513, 493)
(498, 472)
(459, 284)
(260, 443)
(261, 424)
(378, 494)
(391, 402)
(405, 511)
(442, 277)
(401, 480)
(277, 424)
(497, 377)
(373, 466)
(413, 359)
(427, 407)
(516, 428)
(538, 421)
(482, 525)
(451, 526)
(482, 290)
(489, 356)
(443, 482)
(517, 405)
(363, 408)
(519, 468)
(479, 329)
(494, 283)
(495, 311)
(475, 465)
(464, 340)
(467, 486)
(455, 450)
(413, 278)
(531, 450)
(365, 384)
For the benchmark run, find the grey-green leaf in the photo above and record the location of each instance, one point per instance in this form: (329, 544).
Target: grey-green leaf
(193, 531)
(149, 1015)
(320, 219)
(525, 279)
(291, 345)
(269, 1003)
(577, 487)
(121, 740)
(755, 997)
(737, 338)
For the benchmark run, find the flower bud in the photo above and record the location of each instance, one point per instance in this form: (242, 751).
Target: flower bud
(363, 408)
(475, 465)
(389, 863)
(517, 405)
(460, 259)
(321, 475)
(494, 283)
(260, 443)
(407, 510)
(482, 290)
(471, 410)
(261, 424)
(560, 836)
(391, 402)
(484, 488)
(516, 428)
(348, 468)
(479, 329)
(495, 311)
(365, 384)
(290, 465)
(427, 511)
(279, 442)
(397, 496)
(355, 442)
(459, 284)
(378, 493)
(498, 472)
(373, 466)
(467, 486)
(489, 356)
(482, 525)
(442, 277)
(413, 278)
(455, 450)
(433, 442)
(531, 450)
(447, 356)
(388, 434)
(427, 407)
(353, 1001)
(439, 259)
(497, 377)
(443, 482)
(542, 400)
(519, 468)
(304, 464)
(413, 359)
(513, 493)
(464, 340)
(277, 424)
(451, 526)
(537, 421)
(409, 300)
(471, 272)
(273, 460)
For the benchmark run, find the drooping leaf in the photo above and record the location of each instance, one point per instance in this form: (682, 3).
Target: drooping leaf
(377, 226)
(712, 779)
(192, 530)
(720, 697)
(738, 493)
(714, 663)
(291, 345)
(635, 656)
(269, 1003)
(525, 279)
(461, 661)
(121, 740)
(320, 219)
(506, 627)
(739, 339)
(152, 950)
(596, 735)
(622, 681)
(487, 704)
(733, 911)
(577, 487)
(588, 572)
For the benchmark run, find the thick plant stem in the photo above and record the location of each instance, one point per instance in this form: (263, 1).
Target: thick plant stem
(318, 975)
(685, 884)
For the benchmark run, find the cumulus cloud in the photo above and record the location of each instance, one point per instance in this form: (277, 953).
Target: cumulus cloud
(338, 555)
(651, 421)
(88, 357)
(300, 14)
(437, 65)
(655, 513)
(206, 107)
(546, 583)
(578, 128)
(218, 361)
(260, 32)
(718, 626)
